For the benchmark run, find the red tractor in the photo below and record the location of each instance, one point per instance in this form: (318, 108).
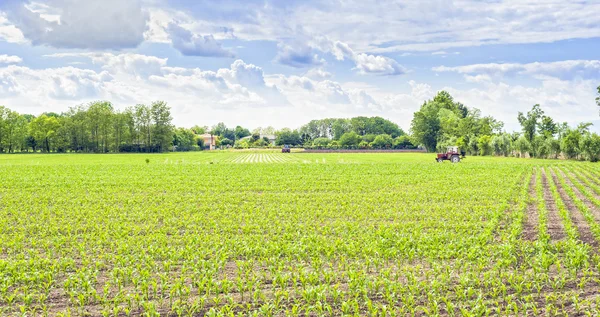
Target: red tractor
(452, 154)
(286, 149)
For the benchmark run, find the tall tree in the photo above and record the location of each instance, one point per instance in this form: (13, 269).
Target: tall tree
(425, 126)
(44, 129)
(163, 128)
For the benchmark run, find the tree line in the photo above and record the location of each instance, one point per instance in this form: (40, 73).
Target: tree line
(441, 122)
(93, 128)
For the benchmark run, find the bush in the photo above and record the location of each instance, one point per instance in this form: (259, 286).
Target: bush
(382, 141)
(349, 140)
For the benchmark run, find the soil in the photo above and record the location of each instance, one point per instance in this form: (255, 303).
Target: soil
(530, 229)
(556, 229)
(585, 234)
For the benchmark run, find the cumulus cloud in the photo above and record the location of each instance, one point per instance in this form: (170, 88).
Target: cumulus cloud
(8, 32)
(108, 24)
(6, 59)
(58, 83)
(127, 63)
(380, 65)
(190, 44)
(366, 63)
(318, 73)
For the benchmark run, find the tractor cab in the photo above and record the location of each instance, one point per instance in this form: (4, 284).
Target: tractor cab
(452, 154)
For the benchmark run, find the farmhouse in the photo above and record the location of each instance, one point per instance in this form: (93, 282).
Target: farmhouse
(210, 141)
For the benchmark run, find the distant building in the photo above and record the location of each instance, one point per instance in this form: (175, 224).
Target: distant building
(210, 141)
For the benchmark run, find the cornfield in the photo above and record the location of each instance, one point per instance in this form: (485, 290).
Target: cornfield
(271, 234)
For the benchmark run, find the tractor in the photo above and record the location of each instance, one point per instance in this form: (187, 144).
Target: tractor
(452, 154)
(286, 149)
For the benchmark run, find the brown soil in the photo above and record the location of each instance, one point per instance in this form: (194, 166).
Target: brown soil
(593, 209)
(585, 234)
(556, 229)
(530, 229)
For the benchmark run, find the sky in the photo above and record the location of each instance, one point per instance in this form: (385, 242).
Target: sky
(283, 63)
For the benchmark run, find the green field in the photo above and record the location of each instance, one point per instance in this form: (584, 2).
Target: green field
(265, 233)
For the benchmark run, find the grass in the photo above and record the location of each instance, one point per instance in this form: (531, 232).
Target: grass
(266, 233)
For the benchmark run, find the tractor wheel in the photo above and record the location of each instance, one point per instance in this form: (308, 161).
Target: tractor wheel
(455, 159)
(440, 160)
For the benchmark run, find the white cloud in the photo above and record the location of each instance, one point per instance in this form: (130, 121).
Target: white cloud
(107, 24)
(8, 32)
(190, 44)
(570, 68)
(380, 65)
(365, 63)
(318, 73)
(58, 83)
(430, 25)
(6, 59)
(127, 63)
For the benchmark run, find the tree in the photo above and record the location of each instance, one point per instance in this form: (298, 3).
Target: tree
(425, 126)
(570, 143)
(530, 123)
(320, 143)
(162, 127)
(382, 141)
(184, 139)
(522, 145)
(590, 147)
(350, 140)
(287, 136)
(44, 128)
(339, 127)
(547, 127)
(15, 131)
(241, 132)
(99, 116)
(403, 142)
(501, 144)
(484, 143)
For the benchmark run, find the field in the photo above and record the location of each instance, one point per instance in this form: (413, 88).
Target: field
(271, 234)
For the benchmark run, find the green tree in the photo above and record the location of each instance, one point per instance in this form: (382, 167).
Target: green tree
(484, 143)
(522, 145)
(320, 143)
(425, 126)
(547, 127)
(241, 132)
(530, 124)
(162, 128)
(570, 143)
(287, 137)
(44, 128)
(382, 141)
(184, 139)
(403, 142)
(590, 147)
(350, 140)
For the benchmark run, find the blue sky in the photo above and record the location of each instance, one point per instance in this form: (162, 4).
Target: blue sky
(283, 63)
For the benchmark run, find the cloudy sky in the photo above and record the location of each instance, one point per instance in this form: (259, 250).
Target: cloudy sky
(283, 63)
